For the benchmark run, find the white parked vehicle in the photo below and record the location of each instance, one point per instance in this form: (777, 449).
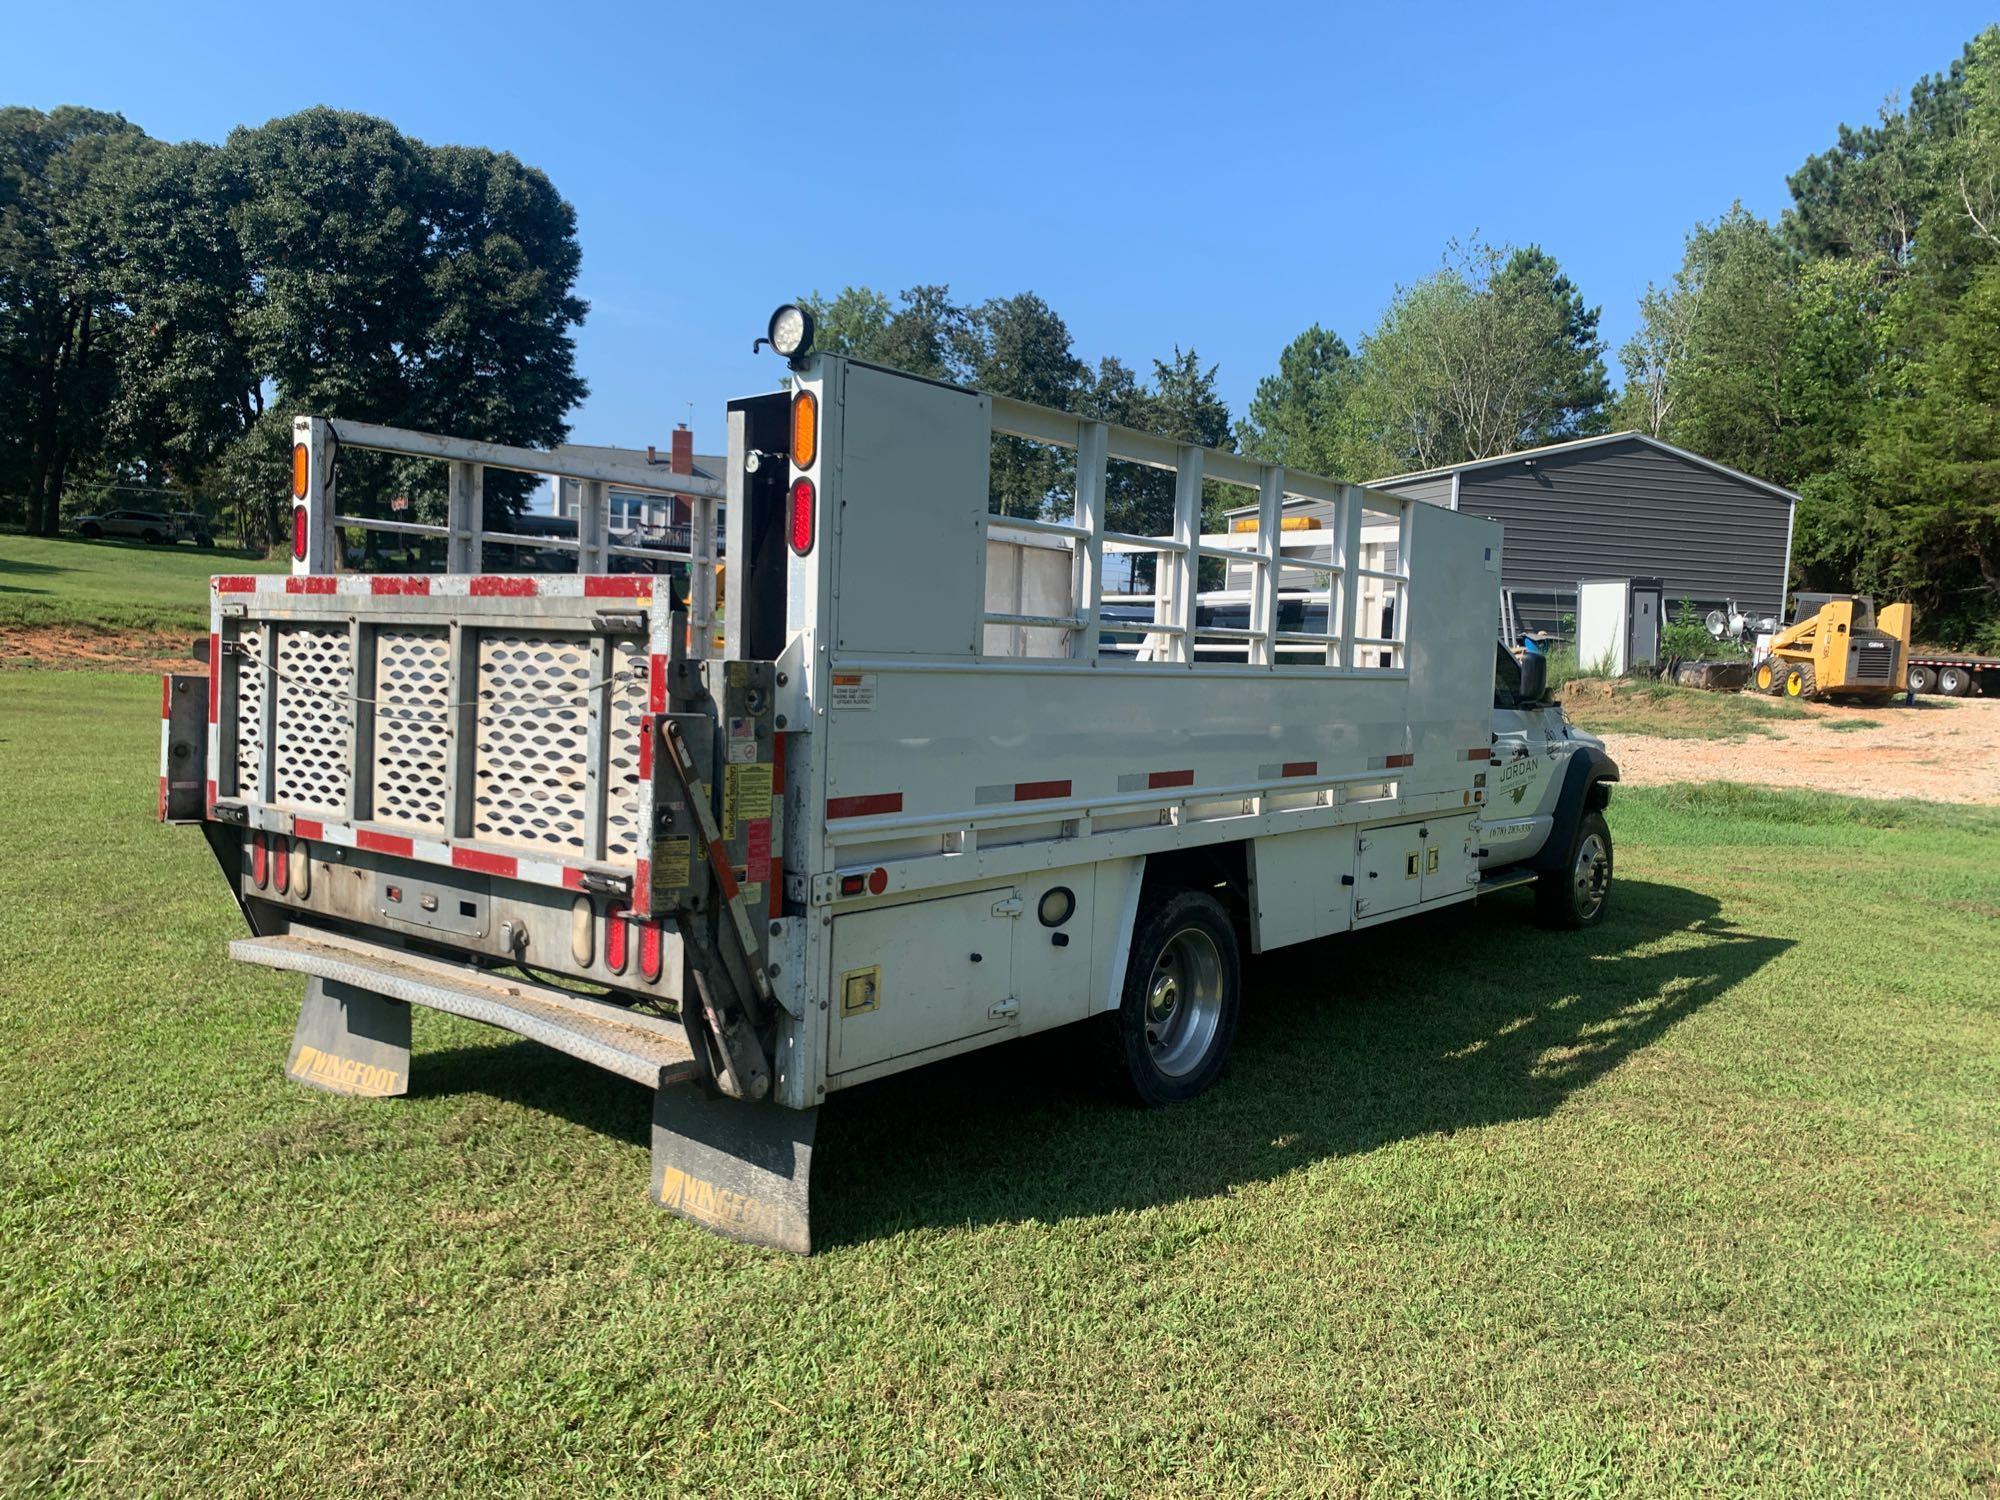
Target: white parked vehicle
(154, 527)
(929, 782)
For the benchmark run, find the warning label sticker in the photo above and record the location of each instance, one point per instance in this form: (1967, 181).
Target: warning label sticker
(746, 794)
(757, 844)
(853, 689)
(672, 864)
(740, 744)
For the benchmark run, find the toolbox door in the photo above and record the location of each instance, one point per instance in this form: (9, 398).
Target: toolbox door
(911, 977)
(1388, 870)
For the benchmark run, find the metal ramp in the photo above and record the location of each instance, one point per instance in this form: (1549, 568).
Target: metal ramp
(1510, 622)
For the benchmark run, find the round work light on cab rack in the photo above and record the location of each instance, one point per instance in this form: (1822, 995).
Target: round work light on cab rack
(790, 333)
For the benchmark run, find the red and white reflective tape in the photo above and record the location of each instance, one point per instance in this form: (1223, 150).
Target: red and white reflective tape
(1391, 762)
(1154, 781)
(874, 805)
(470, 857)
(1021, 791)
(635, 586)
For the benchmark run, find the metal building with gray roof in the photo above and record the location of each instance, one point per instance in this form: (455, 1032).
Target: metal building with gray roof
(1620, 506)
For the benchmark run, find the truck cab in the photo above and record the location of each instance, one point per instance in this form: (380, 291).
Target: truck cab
(1550, 785)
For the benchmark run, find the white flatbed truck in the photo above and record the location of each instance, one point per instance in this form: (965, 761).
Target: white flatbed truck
(931, 780)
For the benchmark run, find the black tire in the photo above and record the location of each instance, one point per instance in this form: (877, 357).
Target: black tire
(1769, 676)
(90, 531)
(1800, 684)
(1576, 893)
(1176, 1018)
(1922, 680)
(152, 538)
(1954, 682)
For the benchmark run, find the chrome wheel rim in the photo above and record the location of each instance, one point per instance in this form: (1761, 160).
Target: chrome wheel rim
(1591, 876)
(1183, 1006)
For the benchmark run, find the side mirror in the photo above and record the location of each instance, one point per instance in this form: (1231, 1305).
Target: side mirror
(1534, 676)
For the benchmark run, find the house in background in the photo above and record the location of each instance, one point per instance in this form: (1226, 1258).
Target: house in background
(1621, 506)
(636, 516)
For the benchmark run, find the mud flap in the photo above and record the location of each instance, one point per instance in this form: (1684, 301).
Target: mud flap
(740, 1169)
(351, 1041)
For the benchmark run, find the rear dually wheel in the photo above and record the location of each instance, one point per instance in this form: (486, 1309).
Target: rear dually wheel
(1177, 1014)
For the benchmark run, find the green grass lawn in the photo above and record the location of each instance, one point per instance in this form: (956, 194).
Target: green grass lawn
(66, 583)
(1625, 706)
(1704, 1200)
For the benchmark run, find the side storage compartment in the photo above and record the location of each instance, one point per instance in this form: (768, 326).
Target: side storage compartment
(1388, 871)
(920, 975)
(1302, 885)
(1450, 861)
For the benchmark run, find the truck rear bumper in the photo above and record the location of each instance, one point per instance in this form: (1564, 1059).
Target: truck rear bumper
(738, 1168)
(646, 1049)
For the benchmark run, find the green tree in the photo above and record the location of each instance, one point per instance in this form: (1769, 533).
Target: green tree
(927, 334)
(1022, 348)
(187, 383)
(1300, 416)
(1934, 454)
(1655, 356)
(1569, 398)
(404, 284)
(61, 177)
(1867, 196)
(1731, 400)
(1492, 352)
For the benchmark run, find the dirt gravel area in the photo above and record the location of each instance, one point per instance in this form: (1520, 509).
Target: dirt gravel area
(79, 648)
(1939, 750)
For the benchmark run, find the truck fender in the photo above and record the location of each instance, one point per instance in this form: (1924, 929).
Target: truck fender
(1119, 885)
(1585, 784)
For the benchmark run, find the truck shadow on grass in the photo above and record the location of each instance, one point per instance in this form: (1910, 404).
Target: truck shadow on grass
(1449, 1022)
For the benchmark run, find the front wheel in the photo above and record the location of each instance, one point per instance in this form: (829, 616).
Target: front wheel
(1183, 990)
(1768, 677)
(1574, 894)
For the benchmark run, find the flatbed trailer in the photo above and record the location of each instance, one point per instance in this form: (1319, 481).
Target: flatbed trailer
(937, 777)
(1955, 674)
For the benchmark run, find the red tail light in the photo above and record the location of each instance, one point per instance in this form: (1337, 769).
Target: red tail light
(649, 952)
(615, 933)
(299, 533)
(260, 859)
(803, 497)
(281, 862)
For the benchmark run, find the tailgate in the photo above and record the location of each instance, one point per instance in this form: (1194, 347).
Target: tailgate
(491, 723)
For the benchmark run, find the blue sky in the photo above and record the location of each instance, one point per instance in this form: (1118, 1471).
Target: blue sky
(1219, 176)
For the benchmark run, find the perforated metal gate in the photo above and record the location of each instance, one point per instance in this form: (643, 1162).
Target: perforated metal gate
(626, 702)
(410, 775)
(249, 715)
(531, 753)
(314, 717)
(554, 721)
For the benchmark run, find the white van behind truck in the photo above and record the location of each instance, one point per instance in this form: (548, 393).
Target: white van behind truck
(933, 778)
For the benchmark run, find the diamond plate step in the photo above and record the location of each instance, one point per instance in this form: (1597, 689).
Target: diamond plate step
(645, 1049)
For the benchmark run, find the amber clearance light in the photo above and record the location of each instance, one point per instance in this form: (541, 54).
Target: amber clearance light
(300, 471)
(805, 429)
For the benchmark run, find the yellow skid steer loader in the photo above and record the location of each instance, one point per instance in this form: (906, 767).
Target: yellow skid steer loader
(1838, 646)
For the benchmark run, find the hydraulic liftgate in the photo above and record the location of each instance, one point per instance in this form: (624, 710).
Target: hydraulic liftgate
(387, 762)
